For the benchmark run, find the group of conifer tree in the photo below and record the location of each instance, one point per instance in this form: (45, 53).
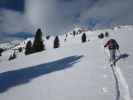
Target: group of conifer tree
(38, 43)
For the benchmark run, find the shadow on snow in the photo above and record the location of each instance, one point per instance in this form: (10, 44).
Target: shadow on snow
(22, 76)
(122, 56)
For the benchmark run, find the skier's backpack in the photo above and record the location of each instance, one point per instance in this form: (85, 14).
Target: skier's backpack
(113, 44)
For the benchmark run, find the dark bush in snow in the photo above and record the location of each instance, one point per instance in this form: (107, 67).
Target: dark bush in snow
(83, 38)
(74, 33)
(56, 42)
(48, 37)
(106, 34)
(28, 49)
(66, 35)
(38, 42)
(1, 50)
(20, 49)
(101, 36)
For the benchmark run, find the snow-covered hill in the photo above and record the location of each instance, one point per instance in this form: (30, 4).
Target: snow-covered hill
(75, 71)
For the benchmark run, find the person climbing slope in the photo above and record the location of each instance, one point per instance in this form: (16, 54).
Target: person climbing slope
(112, 46)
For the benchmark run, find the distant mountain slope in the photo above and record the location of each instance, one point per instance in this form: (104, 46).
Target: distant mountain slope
(4, 37)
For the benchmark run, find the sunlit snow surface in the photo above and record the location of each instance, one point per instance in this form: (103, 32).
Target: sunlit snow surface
(75, 71)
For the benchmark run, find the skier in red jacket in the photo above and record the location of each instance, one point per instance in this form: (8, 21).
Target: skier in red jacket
(112, 46)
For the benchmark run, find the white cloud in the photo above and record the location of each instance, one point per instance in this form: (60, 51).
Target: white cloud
(57, 16)
(46, 14)
(13, 22)
(110, 11)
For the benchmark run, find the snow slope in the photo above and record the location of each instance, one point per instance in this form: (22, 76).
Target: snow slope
(75, 71)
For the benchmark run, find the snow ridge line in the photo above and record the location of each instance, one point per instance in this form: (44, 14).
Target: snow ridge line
(123, 83)
(117, 87)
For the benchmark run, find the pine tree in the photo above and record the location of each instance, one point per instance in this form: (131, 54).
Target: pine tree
(56, 42)
(28, 49)
(83, 38)
(38, 42)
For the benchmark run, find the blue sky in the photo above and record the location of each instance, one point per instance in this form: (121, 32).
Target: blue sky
(17, 5)
(59, 16)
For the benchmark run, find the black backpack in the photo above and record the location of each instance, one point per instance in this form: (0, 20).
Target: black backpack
(114, 44)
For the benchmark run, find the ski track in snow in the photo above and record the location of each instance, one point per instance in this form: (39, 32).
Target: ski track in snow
(117, 87)
(122, 88)
(123, 83)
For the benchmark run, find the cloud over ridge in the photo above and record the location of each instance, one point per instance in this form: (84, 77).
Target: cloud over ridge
(59, 16)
